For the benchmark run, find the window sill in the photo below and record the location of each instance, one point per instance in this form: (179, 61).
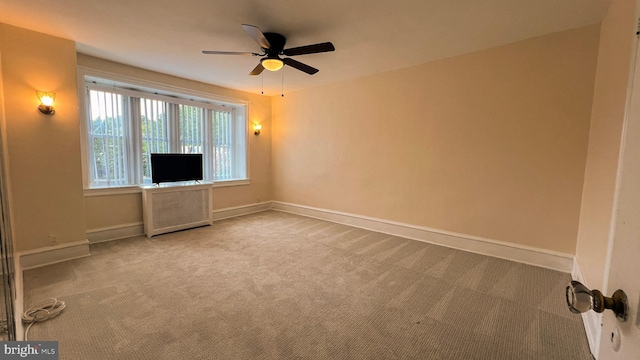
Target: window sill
(136, 189)
(231, 183)
(114, 190)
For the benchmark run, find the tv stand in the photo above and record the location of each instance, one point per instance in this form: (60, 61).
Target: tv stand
(175, 206)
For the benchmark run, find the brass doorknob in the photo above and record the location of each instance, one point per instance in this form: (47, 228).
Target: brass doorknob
(580, 299)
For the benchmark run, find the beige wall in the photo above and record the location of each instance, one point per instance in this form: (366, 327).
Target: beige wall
(108, 211)
(490, 144)
(43, 151)
(610, 95)
(113, 210)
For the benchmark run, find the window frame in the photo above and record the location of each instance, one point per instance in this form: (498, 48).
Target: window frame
(136, 87)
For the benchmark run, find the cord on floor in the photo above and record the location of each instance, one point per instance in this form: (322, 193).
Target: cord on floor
(40, 312)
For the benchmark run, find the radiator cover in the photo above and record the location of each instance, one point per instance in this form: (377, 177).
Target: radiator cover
(173, 207)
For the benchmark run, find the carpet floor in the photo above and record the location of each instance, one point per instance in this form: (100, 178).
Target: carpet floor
(274, 285)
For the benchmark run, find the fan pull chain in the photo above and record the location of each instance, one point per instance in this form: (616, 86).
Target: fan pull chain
(262, 77)
(282, 91)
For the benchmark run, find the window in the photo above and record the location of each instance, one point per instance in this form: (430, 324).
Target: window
(124, 126)
(106, 139)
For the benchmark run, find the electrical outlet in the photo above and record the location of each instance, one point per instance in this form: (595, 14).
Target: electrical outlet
(53, 239)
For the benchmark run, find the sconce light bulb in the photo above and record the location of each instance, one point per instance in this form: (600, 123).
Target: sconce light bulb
(47, 100)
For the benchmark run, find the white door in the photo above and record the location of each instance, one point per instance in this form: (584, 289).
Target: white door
(624, 269)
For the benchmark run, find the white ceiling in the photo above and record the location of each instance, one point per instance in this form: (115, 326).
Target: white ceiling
(370, 36)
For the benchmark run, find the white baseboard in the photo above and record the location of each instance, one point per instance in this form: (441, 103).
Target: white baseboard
(519, 253)
(52, 254)
(592, 320)
(240, 210)
(137, 229)
(115, 232)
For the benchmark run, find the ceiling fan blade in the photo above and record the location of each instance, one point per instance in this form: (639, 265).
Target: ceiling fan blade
(257, 35)
(210, 52)
(309, 49)
(300, 66)
(257, 70)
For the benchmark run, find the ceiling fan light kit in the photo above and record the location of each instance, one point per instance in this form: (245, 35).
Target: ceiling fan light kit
(272, 64)
(272, 46)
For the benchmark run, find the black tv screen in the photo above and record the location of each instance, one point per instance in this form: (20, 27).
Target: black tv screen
(175, 167)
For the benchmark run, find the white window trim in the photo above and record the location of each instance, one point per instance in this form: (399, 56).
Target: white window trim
(154, 89)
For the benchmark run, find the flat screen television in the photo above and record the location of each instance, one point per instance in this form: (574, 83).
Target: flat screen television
(175, 167)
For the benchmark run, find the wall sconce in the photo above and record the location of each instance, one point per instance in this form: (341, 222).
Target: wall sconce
(257, 128)
(46, 102)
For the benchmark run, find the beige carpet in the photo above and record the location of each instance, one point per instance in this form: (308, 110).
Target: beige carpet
(279, 286)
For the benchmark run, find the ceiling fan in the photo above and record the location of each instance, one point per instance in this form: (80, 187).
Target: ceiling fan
(272, 45)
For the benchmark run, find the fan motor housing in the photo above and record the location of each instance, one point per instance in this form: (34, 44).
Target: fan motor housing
(277, 42)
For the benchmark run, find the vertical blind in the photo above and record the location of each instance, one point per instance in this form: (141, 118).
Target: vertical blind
(154, 131)
(223, 145)
(191, 129)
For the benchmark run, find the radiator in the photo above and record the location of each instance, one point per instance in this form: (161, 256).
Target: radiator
(173, 207)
